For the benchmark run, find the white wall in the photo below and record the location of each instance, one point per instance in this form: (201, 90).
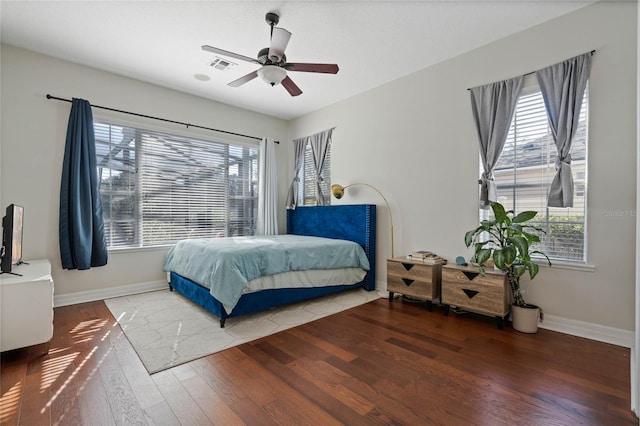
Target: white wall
(32, 148)
(415, 141)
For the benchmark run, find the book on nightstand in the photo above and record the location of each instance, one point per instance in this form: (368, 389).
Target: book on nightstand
(426, 257)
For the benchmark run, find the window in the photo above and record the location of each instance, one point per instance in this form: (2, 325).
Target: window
(526, 168)
(158, 188)
(307, 187)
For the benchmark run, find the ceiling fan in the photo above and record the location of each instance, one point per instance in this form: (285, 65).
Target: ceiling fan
(273, 61)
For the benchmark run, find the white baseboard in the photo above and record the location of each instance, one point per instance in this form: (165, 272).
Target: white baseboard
(107, 293)
(601, 333)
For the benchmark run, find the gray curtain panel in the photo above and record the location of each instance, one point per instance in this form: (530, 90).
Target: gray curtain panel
(298, 152)
(319, 145)
(267, 223)
(493, 106)
(562, 86)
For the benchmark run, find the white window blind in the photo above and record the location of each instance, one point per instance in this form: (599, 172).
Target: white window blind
(158, 188)
(526, 169)
(307, 184)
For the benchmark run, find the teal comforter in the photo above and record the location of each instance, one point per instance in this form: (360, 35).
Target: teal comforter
(226, 265)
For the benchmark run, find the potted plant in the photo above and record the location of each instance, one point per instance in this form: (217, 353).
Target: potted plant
(507, 240)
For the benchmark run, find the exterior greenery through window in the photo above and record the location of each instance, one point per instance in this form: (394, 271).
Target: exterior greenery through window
(307, 179)
(158, 188)
(526, 168)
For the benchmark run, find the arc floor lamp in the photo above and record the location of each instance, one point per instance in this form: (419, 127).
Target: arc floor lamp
(338, 191)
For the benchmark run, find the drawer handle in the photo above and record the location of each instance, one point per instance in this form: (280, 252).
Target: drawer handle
(407, 266)
(407, 281)
(471, 275)
(470, 293)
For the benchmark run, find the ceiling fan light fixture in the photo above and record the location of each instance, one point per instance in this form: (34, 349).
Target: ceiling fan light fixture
(272, 74)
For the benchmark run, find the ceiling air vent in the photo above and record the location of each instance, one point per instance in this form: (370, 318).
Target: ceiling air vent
(221, 64)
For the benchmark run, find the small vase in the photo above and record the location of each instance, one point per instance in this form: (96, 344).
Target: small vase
(525, 319)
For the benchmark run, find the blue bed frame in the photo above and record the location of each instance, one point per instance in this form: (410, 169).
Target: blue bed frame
(355, 222)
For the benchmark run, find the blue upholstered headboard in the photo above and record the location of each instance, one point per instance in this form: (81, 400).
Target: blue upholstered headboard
(355, 222)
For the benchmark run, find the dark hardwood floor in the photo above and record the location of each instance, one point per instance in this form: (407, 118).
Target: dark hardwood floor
(379, 363)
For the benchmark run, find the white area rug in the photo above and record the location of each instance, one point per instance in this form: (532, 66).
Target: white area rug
(166, 329)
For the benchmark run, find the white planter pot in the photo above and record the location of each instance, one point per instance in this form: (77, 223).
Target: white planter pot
(525, 319)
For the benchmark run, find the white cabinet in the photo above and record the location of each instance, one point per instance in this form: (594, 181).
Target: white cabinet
(26, 301)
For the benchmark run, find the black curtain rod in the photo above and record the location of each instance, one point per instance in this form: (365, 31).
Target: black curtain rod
(533, 72)
(162, 119)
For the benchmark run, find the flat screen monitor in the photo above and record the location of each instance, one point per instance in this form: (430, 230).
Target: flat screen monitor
(12, 225)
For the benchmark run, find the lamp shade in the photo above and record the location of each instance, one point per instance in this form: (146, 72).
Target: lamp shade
(272, 74)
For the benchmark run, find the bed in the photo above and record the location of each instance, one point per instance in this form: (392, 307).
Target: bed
(346, 223)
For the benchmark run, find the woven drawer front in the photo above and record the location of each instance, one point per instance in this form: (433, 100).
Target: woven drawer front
(411, 287)
(483, 294)
(410, 270)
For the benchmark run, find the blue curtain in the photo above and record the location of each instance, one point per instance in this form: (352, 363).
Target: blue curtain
(82, 238)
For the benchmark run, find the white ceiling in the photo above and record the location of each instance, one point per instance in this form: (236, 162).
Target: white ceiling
(373, 42)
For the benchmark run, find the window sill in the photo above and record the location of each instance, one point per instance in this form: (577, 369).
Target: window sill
(123, 250)
(557, 264)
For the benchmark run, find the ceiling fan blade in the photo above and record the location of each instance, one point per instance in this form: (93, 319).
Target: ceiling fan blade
(229, 54)
(324, 68)
(279, 40)
(291, 87)
(244, 79)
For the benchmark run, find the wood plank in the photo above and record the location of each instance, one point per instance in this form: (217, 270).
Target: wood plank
(210, 402)
(332, 380)
(328, 347)
(67, 354)
(13, 371)
(161, 415)
(122, 400)
(185, 409)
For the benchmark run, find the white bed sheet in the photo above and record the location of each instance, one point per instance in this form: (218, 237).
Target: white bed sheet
(305, 279)
(310, 278)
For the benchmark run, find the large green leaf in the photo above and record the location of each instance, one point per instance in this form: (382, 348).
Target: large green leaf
(533, 269)
(519, 270)
(537, 229)
(498, 259)
(468, 237)
(499, 213)
(521, 244)
(478, 246)
(525, 216)
(532, 238)
(487, 224)
(542, 254)
(483, 255)
(510, 255)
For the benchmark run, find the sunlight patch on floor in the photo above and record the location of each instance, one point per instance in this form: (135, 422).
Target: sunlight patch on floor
(9, 402)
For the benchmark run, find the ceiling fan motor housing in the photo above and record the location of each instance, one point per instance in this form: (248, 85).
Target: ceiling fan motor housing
(264, 59)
